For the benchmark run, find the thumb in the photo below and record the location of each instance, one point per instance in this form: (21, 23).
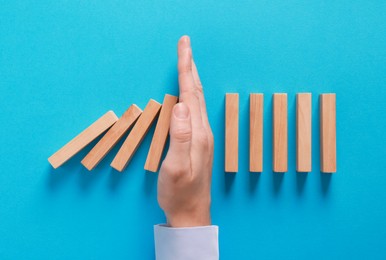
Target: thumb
(180, 133)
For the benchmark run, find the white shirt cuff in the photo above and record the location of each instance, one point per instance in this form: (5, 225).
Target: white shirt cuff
(186, 243)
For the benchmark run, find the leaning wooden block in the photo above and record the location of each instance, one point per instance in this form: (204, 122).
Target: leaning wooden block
(231, 132)
(160, 134)
(83, 139)
(256, 132)
(328, 133)
(303, 132)
(136, 135)
(111, 138)
(280, 128)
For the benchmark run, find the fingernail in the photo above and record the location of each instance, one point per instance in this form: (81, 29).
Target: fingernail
(181, 111)
(186, 39)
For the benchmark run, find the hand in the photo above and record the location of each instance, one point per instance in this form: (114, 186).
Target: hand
(185, 176)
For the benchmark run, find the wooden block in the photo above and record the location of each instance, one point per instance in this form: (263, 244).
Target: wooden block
(303, 132)
(136, 135)
(328, 133)
(256, 132)
(83, 139)
(280, 129)
(160, 134)
(231, 132)
(111, 138)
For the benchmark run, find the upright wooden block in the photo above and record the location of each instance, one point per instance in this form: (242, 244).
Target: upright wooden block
(83, 139)
(136, 135)
(303, 132)
(111, 138)
(160, 134)
(280, 129)
(231, 132)
(328, 133)
(256, 132)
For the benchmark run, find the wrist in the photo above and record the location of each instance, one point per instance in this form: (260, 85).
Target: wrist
(189, 219)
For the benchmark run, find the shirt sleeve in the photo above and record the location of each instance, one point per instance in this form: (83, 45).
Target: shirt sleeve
(186, 243)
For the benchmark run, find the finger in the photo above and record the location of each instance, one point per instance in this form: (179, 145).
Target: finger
(201, 96)
(180, 136)
(188, 92)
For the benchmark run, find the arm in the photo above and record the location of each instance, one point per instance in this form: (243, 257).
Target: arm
(184, 181)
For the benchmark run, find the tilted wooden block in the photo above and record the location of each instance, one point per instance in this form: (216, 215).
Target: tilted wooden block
(328, 133)
(136, 135)
(280, 129)
(83, 139)
(111, 138)
(160, 134)
(231, 132)
(303, 132)
(256, 132)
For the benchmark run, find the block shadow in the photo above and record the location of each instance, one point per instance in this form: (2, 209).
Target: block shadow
(254, 179)
(118, 178)
(325, 180)
(277, 180)
(229, 178)
(301, 178)
(57, 177)
(150, 183)
(151, 178)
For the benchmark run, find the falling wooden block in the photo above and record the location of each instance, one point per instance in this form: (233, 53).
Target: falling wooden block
(256, 132)
(303, 132)
(280, 128)
(111, 138)
(83, 139)
(136, 135)
(160, 134)
(231, 132)
(328, 133)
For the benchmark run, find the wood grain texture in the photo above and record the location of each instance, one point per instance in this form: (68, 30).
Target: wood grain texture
(136, 135)
(231, 132)
(256, 104)
(328, 133)
(160, 134)
(280, 133)
(303, 132)
(112, 137)
(83, 139)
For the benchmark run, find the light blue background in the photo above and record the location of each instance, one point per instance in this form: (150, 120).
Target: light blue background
(65, 63)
